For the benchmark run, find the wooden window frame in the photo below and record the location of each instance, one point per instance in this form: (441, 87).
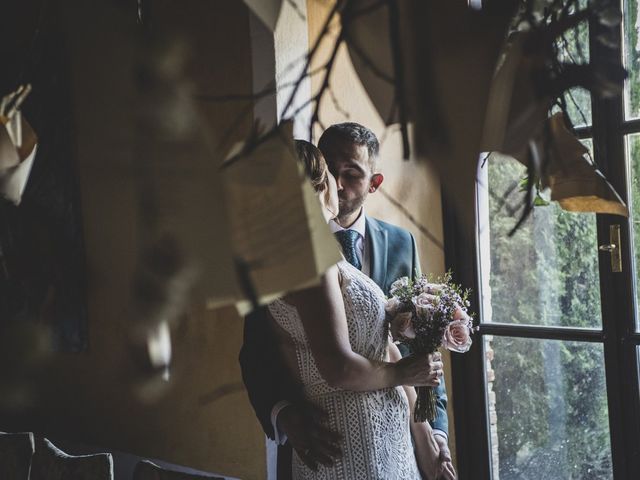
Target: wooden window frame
(619, 336)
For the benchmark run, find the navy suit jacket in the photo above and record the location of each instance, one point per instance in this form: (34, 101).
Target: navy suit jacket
(393, 255)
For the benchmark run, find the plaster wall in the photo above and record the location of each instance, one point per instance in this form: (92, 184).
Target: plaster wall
(409, 183)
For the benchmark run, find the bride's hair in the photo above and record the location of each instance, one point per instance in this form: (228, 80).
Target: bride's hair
(314, 164)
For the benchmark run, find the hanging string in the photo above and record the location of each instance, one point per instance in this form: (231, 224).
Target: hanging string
(30, 53)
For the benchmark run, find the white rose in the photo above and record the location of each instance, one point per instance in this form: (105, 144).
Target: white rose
(434, 288)
(398, 284)
(392, 306)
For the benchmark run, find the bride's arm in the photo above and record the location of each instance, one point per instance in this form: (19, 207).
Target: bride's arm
(324, 319)
(426, 448)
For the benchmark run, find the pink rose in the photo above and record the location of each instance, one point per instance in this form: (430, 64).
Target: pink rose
(402, 326)
(424, 302)
(457, 336)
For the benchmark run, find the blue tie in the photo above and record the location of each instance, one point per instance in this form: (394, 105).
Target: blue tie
(347, 239)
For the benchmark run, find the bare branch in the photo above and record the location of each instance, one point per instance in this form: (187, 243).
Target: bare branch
(297, 9)
(336, 8)
(269, 90)
(398, 67)
(368, 62)
(336, 103)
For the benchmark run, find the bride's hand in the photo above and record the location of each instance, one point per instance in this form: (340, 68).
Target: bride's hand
(420, 370)
(427, 452)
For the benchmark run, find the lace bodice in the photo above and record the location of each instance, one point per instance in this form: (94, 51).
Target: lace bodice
(375, 425)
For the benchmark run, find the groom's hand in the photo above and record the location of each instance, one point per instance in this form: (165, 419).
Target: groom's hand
(309, 436)
(446, 472)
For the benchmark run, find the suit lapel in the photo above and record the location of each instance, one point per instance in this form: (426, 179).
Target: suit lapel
(377, 238)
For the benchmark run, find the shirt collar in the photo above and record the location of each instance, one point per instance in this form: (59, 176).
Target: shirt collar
(360, 225)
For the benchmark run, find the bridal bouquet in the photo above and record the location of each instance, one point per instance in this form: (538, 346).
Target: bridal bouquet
(426, 316)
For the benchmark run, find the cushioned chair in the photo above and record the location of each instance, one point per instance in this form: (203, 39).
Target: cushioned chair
(146, 470)
(51, 463)
(16, 450)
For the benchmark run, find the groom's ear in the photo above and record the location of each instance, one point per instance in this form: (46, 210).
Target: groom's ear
(376, 181)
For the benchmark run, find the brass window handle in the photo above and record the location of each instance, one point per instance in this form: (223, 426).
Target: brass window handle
(613, 248)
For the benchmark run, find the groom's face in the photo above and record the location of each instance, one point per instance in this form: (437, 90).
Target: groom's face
(349, 164)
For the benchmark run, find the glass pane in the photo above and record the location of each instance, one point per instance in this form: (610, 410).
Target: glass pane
(633, 155)
(573, 47)
(578, 103)
(631, 58)
(547, 272)
(548, 405)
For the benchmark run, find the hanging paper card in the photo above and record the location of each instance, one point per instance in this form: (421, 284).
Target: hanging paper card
(279, 232)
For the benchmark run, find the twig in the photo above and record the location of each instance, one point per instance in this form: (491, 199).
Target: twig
(336, 104)
(528, 205)
(296, 8)
(304, 105)
(484, 160)
(316, 99)
(336, 8)
(578, 108)
(252, 144)
(232, 127)
(270, 89)
(398, 68)
(325, 82)
(247, 110)
(368, 62)
(501, 200)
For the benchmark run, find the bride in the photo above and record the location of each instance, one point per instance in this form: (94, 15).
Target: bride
(335, 342)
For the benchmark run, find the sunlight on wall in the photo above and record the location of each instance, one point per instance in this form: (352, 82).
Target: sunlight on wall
(410, 183)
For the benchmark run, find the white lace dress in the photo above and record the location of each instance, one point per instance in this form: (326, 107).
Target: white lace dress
(375, 425)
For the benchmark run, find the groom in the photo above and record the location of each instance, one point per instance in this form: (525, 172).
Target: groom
(382, 251)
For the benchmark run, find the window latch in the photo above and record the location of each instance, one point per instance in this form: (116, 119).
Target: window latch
(613, 248)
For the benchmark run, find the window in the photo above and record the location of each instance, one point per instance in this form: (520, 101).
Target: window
(552, 380)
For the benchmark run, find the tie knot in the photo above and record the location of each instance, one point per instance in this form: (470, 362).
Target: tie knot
(348, 239)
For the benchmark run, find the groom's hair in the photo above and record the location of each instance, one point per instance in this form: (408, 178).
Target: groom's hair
(355, 133)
